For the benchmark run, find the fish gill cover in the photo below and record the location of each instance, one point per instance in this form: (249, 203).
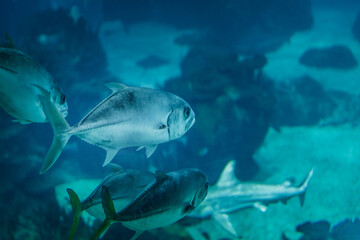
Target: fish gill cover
(273, 87)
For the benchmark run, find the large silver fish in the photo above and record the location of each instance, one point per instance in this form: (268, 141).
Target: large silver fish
(166, 201)
(22, 79)
(129, 117)
(229, 195)
(123, 185)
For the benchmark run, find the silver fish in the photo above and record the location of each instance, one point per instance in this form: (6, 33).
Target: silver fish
(129, 117)
(22, 80)
(123, 185)
(229, 195)
(166, 201)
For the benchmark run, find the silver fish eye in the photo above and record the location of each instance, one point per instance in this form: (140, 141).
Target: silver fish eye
(187, 112)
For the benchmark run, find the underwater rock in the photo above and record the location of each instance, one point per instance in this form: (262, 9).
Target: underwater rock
(336, 56)
(303, 102)
(70, 50)
(234, 93)
(346, 230)
(247, 26)
(314, 231)
(356, 28)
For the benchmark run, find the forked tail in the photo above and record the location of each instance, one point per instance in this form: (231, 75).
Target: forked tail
(303, 186)
(109, 210)
(77, 211)
(61, 132)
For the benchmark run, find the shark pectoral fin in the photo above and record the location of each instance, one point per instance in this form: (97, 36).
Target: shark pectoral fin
(150, 150)
(77, 210)
(261, 207)
(224, 220)
(115, 86)
(110, 154)
(137, 234)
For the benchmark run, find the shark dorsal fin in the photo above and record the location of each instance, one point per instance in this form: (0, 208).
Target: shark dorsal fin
(227, 176)
(115, 86)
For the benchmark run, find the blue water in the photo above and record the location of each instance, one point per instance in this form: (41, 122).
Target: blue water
(237, 64)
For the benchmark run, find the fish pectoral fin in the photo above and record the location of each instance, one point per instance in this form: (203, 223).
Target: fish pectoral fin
(150, 150)
(260, 206)
(22, 121)
(139, 148)
(137, 234)
(116, 86)
(224, 221)
(110, 154)
(115, 168)
(8, 69)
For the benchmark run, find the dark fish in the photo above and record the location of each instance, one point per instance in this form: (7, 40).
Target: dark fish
(123, 185)
(166, 201)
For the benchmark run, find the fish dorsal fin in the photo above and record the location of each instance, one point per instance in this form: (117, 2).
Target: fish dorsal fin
(9, 42)
(115, 86)
(115, 168)
(227, 177)
(160, 176)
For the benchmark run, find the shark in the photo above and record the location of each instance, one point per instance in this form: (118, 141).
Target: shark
(230, 195)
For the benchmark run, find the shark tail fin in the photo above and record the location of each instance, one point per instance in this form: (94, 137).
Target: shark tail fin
(61, 132)
(303, 187)
(109, 210)
(77, 210)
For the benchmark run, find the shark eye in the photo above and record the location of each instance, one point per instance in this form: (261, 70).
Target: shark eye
(187, 112)
(163, 126)
(62, 99)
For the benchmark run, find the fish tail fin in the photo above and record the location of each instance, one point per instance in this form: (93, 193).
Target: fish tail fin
(102, 229)
(61, 132)
(109, 210)
(303, 186)
(77, 210)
